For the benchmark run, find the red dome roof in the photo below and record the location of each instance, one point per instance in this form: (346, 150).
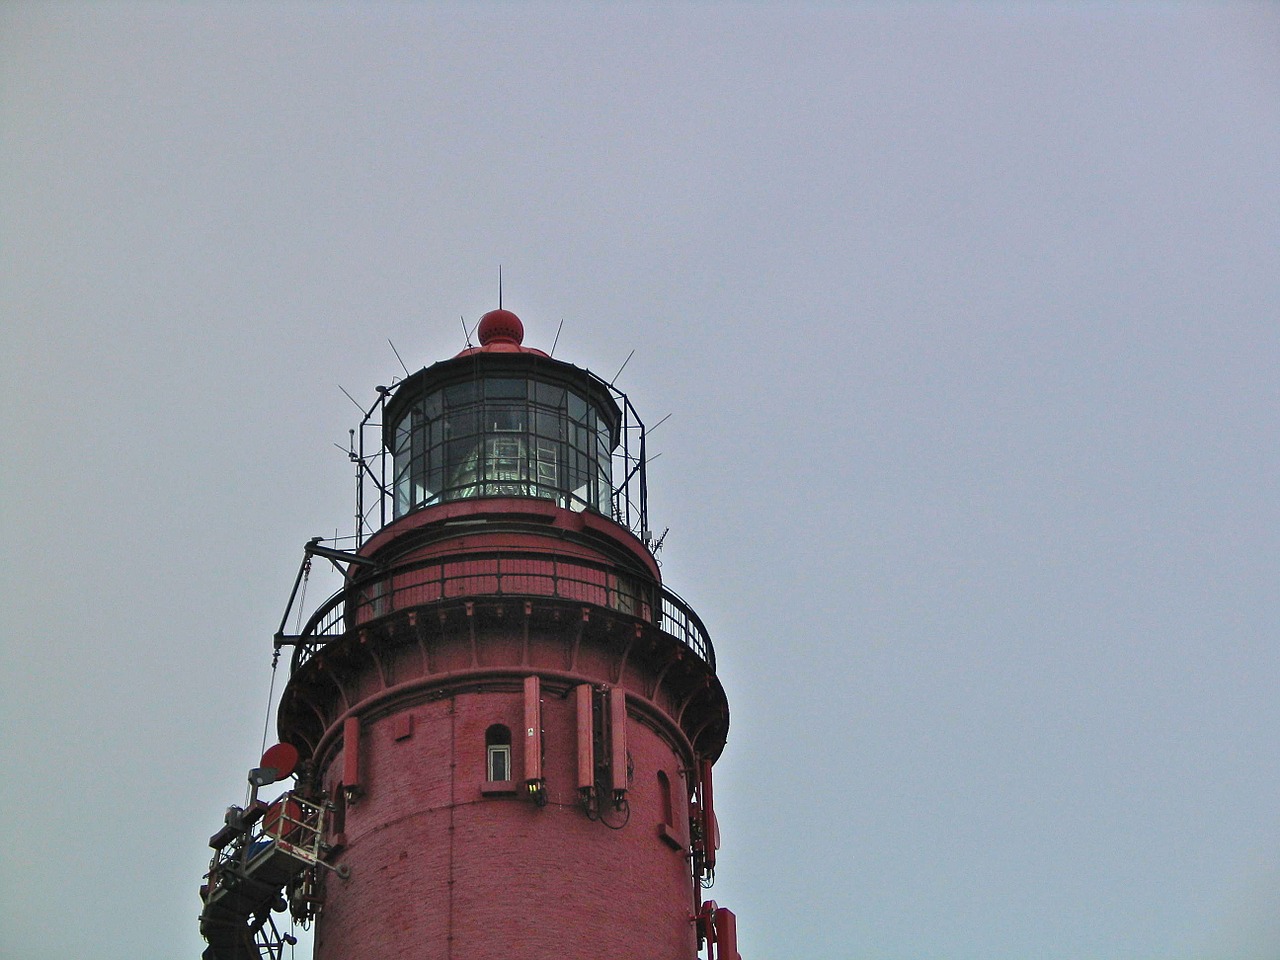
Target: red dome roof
(500, 325)
(500, 331)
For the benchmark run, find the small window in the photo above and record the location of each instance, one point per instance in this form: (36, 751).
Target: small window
(674, 826)
(499, 762)
(664, 795)
(338, 810)
(497, 741)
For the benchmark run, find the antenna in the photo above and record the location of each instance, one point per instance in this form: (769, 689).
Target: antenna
(351, 398)
(397, 353)
(350, 451)
(623, 367)
(464, 331)
(557, 339)
(499, 286)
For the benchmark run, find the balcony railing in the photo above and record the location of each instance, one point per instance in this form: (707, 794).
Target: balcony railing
(513, 575)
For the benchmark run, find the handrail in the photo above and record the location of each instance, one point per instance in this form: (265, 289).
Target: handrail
(517, 575)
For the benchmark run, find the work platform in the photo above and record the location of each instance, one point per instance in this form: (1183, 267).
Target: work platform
(262, 859)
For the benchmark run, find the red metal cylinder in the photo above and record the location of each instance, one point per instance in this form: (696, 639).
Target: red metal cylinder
(446, 864)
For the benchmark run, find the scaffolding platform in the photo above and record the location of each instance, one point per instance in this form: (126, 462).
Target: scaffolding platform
(258, 856)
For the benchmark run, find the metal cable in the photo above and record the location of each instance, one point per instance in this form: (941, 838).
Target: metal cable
(266, 721)
(275, 654)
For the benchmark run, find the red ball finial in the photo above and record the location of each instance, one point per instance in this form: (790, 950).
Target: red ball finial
(500, 325)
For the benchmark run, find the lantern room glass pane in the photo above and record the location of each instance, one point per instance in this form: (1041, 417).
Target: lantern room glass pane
(549, 394)
(460, 394)
(505, 388)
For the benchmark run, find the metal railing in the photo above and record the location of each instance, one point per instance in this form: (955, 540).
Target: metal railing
(513, 575)
(295, 825)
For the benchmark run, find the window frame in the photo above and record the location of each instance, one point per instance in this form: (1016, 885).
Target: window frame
(497, 743)
(492, 752)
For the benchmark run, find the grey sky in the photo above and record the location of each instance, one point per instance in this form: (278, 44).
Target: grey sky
(966, 317)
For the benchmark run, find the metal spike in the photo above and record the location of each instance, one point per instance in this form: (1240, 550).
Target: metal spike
(397, 353)
(623, 367)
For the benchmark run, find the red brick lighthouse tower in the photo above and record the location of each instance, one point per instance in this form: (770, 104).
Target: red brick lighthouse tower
(505, 724)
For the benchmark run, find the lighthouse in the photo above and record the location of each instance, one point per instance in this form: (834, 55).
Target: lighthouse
(497, 738)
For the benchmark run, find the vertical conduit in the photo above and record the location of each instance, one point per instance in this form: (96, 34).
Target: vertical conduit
(618, 742)
(710, 838)
(586, 737)
(532, 730)
(351, 754)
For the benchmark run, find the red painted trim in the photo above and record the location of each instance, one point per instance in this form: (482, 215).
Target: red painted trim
(726, 924)
(586, 737)
(351, 752)
(618, 739)
(514, 508)
(532, 729)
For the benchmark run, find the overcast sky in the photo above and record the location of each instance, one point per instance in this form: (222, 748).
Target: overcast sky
(966, 317)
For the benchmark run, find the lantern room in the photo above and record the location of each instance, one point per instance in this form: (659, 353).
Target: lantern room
(502, 420)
